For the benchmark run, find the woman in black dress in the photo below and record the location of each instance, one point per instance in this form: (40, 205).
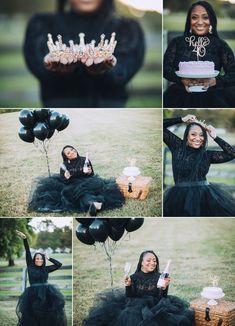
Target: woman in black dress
(76, 189)
(145, 304)
(102, 85)
(192, 194)
(41, 303)
(201, 29)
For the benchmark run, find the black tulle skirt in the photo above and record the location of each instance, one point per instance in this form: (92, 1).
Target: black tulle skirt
(51, 194)
(177, 97)
(117, 310)
(194, 199)
(41, 305)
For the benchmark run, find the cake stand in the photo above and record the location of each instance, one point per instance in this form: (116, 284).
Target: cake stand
(212, 298)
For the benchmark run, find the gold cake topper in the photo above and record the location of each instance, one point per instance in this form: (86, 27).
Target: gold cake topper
(199, 45)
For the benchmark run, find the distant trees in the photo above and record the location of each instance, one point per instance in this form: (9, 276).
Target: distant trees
(11, 245)
(59, 238)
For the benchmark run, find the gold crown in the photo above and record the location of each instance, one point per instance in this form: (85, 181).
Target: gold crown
(60, 52)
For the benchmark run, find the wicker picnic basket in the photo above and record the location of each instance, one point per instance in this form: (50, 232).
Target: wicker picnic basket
(138, 189)
(222, 314)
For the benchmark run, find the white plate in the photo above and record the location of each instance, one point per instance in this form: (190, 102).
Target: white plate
(214, 74)
(197, 89)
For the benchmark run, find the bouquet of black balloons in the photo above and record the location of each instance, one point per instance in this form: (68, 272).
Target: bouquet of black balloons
(102, 230)
(41, 124)
(90, 230)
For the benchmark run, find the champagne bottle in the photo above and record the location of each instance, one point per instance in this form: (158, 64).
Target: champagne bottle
(86, 164)
(165, 274)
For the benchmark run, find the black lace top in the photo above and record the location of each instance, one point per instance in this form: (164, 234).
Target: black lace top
(191, 164)
(79, 88)
(38, 274)
(217, 51)
(145, 284)
(75, 168)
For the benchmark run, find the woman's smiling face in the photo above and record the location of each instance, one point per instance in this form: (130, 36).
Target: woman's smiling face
(70, 153)
(199, 21)
(149, 263)
(195, 137)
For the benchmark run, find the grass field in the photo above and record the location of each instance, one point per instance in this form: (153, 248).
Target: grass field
(111, 137)
(7, 307)
(197, 247)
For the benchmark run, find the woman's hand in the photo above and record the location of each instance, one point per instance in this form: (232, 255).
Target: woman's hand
(21, 234)
(127, 281)
(67, 175)
(167, 282)
(211, 131)
(208, 82)
(46, 256)
(59, 67)
(89, 170)
(98, 66)
(189, 118)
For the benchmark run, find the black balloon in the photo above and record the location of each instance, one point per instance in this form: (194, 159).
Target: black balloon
(98, 230)
(26, 135)
(50, 133)
(41, 114)
(83, 235)
(40, 131)
(26, 117)
(55, 120)
(134, 224)
(64, 122)
(85, 221)
(116, 233)
(118, 222)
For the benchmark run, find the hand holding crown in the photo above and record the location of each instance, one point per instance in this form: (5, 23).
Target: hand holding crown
(97, 59)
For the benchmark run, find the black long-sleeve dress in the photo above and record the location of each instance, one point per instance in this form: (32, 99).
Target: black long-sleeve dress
(222, 95)
(79, 88)
(58, 194)
(143, 305)
(192, 194)
(41, 303)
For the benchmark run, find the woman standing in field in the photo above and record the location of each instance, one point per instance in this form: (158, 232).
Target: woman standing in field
(192, 194)
(41, 304)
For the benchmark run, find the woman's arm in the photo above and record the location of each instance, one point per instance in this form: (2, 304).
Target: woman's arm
(170, 139)
(28, 256)
(228, 153)
(169, 62)
(228, 64)
(56, 265)
(130, 287)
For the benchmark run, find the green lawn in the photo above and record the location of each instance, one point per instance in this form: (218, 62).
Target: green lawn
(188, 242)
(111, 136)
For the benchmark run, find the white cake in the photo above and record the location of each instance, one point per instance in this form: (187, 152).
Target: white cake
(197, 67)
(131, 171)
(212, 292)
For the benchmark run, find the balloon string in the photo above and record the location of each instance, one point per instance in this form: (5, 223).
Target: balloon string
(47, 159)
(110, 265)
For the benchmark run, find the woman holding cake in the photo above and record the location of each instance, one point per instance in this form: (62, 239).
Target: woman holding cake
(193, 62)
(192, 194)
(145, 302)
(76, 189)
(77, 85)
